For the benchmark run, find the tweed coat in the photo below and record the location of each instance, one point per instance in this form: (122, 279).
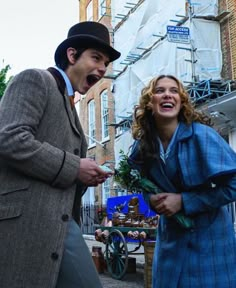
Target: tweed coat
(41, 143)
(204, 256)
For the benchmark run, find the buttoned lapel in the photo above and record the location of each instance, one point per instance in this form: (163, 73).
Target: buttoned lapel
(70, 110)
(71, 114)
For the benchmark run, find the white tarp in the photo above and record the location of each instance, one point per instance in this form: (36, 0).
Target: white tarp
(120, 9)
(123, 143)
(206, 39)
(172, 58)
(204, 7)
(148, 23)
(125, 37)
(122, 89)
(141, 30)
(144, 28)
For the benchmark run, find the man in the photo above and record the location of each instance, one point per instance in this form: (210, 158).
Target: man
(43, 169)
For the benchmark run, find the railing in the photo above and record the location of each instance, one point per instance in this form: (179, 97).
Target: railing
(91, 216)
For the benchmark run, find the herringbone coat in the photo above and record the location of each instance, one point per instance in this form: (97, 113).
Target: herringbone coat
(41, 143)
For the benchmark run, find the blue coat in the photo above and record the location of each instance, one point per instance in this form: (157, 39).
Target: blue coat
(204, 256)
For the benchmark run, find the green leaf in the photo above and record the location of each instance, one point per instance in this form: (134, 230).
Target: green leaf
(3, 81)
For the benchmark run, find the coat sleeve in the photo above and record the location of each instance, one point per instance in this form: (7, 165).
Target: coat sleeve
(219, 193)
(208, 169)
(204, 156)
(21, 110)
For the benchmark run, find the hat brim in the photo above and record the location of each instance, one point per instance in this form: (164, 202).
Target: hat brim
(85, 41)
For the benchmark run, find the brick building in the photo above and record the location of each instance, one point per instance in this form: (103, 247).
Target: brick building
(96, 110)
(228, 38)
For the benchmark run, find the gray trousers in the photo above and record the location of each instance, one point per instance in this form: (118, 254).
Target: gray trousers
(77, 268)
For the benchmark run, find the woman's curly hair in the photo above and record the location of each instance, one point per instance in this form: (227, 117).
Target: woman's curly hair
(144, 123)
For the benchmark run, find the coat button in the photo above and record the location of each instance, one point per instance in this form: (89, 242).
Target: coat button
(54, 256)
(65, 217)
(76, 151)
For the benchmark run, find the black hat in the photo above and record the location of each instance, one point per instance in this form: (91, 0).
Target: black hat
(87, 34)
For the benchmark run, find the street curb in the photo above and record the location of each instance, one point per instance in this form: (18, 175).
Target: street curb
(89, 237)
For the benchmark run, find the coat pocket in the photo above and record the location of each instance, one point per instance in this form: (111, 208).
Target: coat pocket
(12, 211)
(12, 201)
(16, 195)
(12, 189)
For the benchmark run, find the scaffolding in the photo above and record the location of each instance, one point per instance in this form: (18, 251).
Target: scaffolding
(140, 50)
(203, 91)
(192, 58)
(123, 125)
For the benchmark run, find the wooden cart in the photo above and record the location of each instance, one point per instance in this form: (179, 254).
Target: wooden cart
(119, 234)
(116, 249)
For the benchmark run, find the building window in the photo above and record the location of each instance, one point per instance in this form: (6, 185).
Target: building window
(101, 8)
(88, 198)
(91, 124)
(104, 114)
(89, 11)
(105, 191)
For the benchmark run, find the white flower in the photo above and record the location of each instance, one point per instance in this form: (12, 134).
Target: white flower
(135, 174)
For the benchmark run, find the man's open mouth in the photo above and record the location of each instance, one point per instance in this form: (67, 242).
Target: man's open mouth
(92, 79)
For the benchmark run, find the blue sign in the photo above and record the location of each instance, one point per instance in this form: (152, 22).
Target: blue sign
(178, 34)
(123, 201)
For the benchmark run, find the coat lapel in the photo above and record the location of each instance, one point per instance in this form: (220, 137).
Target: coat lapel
(70, 111)
(160, 178)
(157, 172)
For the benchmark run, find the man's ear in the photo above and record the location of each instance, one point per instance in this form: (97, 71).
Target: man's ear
(70, 55)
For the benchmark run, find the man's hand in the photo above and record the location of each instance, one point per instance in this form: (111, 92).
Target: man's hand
(91, 174)
(166, 203)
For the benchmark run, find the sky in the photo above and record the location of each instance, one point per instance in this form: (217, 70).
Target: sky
(31, 30)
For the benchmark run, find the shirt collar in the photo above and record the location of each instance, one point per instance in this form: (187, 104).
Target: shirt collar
(164, 154)
(69, 87)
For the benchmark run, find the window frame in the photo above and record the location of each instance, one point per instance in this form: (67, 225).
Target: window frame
(91, 123)
(104, 114)
(106, 191)
(89, 11)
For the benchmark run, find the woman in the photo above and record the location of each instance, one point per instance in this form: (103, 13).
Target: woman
(177, 149)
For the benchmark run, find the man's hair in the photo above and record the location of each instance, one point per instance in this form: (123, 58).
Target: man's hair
(63, 62)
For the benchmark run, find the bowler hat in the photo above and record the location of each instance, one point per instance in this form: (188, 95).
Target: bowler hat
(87, 34)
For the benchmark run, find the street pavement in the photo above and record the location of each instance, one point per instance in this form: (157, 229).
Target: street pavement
(130, 280)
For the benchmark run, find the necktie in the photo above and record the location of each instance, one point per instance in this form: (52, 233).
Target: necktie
(72, 103)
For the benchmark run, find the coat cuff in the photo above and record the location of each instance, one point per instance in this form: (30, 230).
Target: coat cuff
(68, 172)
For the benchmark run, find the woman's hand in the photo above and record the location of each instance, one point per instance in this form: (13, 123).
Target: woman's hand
(166, 203)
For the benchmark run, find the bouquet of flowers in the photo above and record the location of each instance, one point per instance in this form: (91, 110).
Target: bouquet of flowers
(131, 179)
